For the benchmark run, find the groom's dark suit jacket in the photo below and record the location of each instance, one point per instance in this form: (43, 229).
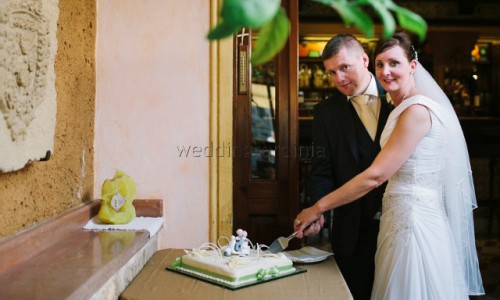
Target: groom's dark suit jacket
(343, 149)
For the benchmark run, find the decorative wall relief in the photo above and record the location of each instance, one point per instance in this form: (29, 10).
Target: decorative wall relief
(28, 45)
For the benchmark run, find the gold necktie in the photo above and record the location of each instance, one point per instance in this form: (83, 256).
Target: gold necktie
(366, 114)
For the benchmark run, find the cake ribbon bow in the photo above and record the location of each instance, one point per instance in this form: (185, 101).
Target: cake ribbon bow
(274, 271)
(261, 274)
(177, 263)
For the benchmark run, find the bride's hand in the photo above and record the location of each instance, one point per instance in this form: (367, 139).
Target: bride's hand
(309, 216)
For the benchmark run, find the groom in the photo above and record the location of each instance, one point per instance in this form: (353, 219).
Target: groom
(347, 128)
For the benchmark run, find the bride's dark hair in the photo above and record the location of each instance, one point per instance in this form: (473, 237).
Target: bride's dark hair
(400, 38)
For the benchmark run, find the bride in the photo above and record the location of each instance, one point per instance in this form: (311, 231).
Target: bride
(425, 247)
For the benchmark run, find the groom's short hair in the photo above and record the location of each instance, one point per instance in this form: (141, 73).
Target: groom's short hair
(338, 42)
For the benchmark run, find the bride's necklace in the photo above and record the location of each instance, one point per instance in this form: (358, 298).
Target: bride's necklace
(407, 92)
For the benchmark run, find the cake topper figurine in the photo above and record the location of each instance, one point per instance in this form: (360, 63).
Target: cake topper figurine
(238, 244)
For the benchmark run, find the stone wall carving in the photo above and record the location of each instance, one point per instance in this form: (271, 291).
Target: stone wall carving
(28, 45)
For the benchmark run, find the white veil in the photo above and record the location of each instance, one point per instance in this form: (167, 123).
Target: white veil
(459, 195)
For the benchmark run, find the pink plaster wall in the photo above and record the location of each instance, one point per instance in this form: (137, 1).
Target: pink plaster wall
(152, 96)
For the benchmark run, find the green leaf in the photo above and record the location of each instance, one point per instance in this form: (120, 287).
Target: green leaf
(352, 14)
(386, 17)
(249, 13)
(272, 38)
(408, 19)
(222, 30)
(327, 2)
(413, 22)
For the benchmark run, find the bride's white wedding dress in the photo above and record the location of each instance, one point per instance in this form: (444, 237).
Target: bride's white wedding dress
(416, 256)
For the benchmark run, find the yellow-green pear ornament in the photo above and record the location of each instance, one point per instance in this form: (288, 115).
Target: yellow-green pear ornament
(117, 196)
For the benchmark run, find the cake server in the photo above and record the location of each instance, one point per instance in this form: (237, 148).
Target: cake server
(281, 243)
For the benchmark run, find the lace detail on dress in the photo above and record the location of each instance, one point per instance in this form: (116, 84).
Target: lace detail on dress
(429, 180)
(397, 202)
(397, 216)
(398, 212)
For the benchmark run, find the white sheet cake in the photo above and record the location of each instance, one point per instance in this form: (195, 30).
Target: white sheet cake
(235, 264)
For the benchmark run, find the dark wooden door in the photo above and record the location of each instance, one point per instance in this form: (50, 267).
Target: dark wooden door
(265, 193)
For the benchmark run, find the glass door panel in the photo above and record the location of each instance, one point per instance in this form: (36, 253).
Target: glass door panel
(263, 112)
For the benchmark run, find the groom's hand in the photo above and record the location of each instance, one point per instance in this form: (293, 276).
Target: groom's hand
(313, 228)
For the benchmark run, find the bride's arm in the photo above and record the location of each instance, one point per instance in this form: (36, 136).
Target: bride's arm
(413, 124)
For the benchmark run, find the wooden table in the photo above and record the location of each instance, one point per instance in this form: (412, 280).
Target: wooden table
(321, 281)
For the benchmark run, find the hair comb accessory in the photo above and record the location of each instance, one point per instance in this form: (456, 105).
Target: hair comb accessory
(416, 54)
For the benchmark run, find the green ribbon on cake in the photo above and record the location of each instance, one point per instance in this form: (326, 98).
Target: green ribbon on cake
(261, 274)
(177, 263)
(273, 272)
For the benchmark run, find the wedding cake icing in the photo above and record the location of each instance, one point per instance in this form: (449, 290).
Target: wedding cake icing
(235, 264)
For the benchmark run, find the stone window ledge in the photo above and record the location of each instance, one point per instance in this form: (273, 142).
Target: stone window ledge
(57, 259)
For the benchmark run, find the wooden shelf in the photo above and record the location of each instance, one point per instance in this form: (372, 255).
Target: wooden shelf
(310, 60)
(314, 89)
